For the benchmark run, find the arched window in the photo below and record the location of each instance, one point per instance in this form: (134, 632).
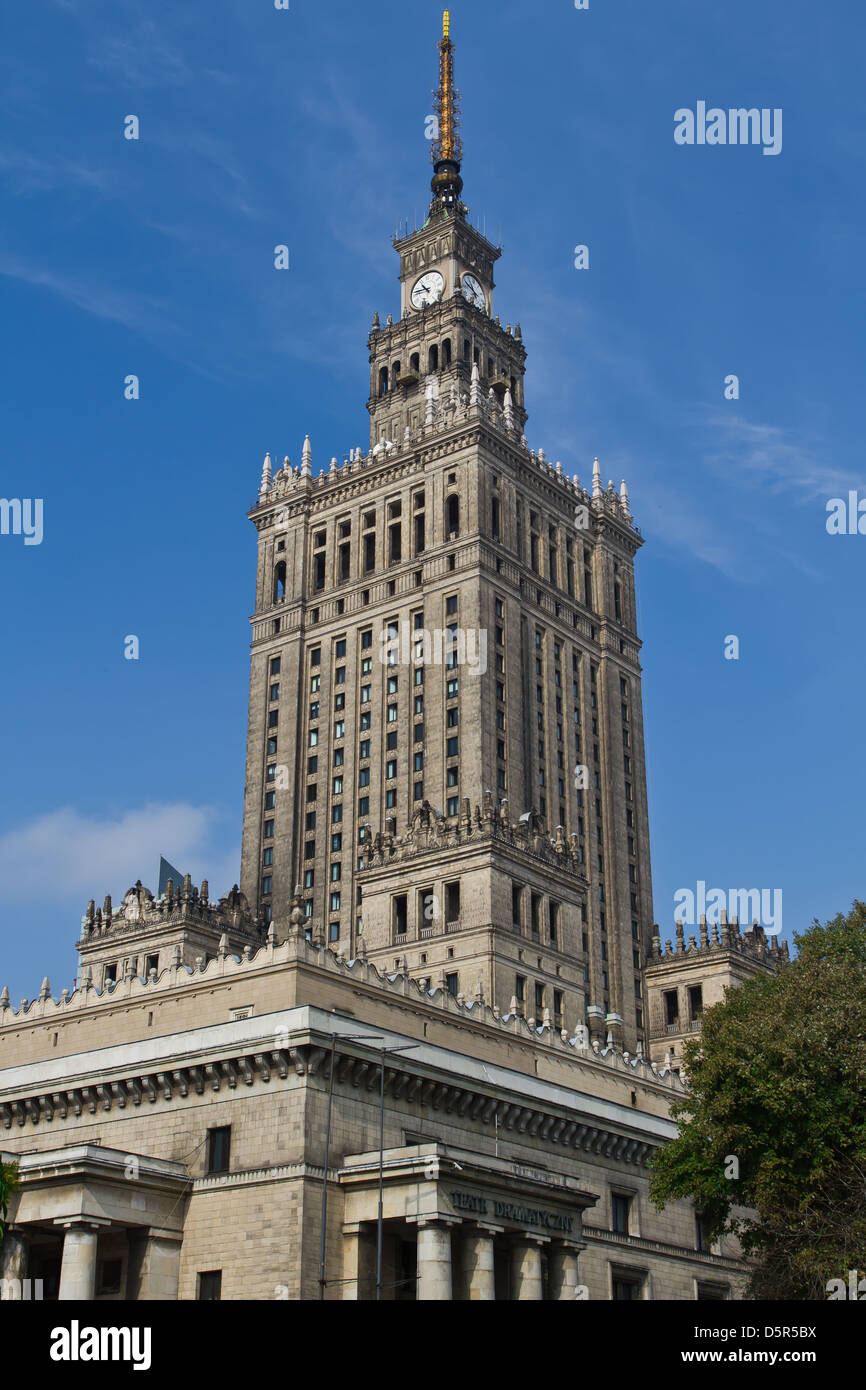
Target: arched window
(280, 581)
(395, 373)
(467, 350)
(383, 381)
(415, 362)
(433, 359)
(452, 515)
(446, 353)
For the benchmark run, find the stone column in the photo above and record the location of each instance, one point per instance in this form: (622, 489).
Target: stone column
(359, 1264)
(434, 1263)
(562, 1265)
(78, 1267)
(160, 1268)
(478, 1264)
(13, 1263)
(526, 1269)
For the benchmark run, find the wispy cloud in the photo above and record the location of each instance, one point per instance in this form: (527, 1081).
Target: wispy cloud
(767, 456)
(91, 856)
(141, 312)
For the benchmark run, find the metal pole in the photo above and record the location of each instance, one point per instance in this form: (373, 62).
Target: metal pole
(381, 1180)
(325, 1173)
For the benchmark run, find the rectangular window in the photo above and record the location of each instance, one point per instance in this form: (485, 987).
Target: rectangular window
(309, 878)
(219, 1149)
(267, 882)
(672, 1007)
(209, 1286)
(452, 901)
(401, 911)
(620, 1207)
(452, 747)
(364, 806)
(391, 768)
(337, 813)
(335, 902)
(275, 665)
(340, 728)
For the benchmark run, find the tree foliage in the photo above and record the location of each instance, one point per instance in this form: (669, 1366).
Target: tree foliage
(8, 1184)
(777, 1080)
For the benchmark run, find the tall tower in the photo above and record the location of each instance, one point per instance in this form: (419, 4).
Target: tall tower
(445, 763)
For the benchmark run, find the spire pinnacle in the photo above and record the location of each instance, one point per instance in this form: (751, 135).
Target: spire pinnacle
(447, 148)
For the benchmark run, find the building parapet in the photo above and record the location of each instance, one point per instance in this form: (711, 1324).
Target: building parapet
(718, 937)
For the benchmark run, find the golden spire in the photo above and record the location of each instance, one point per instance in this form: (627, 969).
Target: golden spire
(447, 148)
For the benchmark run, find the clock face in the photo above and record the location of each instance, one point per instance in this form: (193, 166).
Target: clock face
(428, 289)
(473, 292)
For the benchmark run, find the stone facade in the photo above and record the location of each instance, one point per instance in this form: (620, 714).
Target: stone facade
(432, 981)
(513, 1157)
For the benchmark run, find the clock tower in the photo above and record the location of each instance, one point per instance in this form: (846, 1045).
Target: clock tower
(445, 765)
(447, 326)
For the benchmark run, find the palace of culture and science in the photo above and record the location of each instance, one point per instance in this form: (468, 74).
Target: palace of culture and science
(444, 918)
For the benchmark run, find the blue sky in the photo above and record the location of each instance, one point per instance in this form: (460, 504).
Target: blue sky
(306, 127)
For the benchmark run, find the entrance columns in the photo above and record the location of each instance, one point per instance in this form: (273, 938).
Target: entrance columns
(78, 1267)
(478, 1263)
(359, 1263)
(13, 1262)
(160, 1268)
(434, 1262)
(526, 1267)
(562, 1267)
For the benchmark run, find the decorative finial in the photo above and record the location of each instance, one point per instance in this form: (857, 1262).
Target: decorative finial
(307, 458)
(623, 497)
(596, 479)
(266, 476)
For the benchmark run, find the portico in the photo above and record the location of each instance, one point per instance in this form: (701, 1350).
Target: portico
(461, 1226)
(93, 1223)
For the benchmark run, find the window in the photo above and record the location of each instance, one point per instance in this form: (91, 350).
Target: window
(516, 903)
(275, 665)
(672, 1007)
(364, 750)
(452, 983)
(364, 777)
(452, 901)
(335, 902)
(696, 1002)
(336, 842)
(626, 1288)
(391, 798)
(337, 813)
(267, 860)
(620, 1207)
(219, 1149)
(452, 807)
(392, 714)
(701, 1242)
(391, 768)
(539, 1000)
(210, 1286)
(400, 914)
(267, 883)
(309, 878)
(364, 806)
(337, 788)
(269, 829)
(452, 747)
(275, 691)
(336, 873)
(340, 728)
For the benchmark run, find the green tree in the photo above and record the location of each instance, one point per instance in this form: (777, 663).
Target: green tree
(777, 1081)
(8, 1184)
